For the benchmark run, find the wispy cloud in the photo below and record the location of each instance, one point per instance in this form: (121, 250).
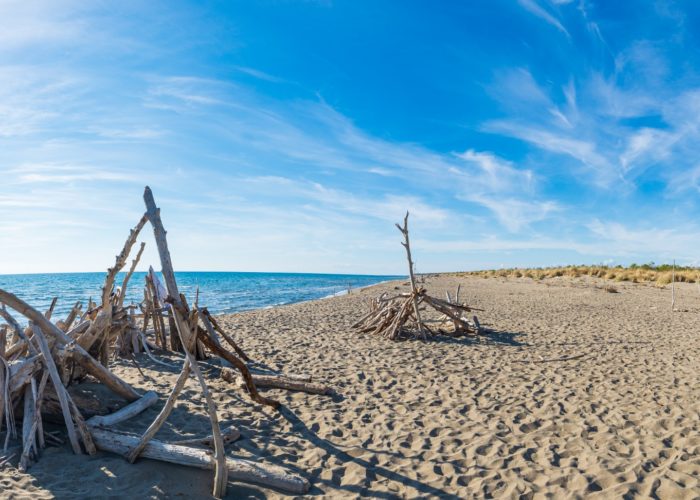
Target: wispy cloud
(535, 8)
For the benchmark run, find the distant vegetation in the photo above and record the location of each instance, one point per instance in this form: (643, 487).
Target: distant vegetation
(660, 274)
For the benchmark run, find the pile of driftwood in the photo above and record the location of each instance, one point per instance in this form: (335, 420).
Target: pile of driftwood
(399, 316)
(40, 361)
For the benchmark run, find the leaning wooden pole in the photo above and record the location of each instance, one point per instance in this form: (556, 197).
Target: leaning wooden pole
(414, 290)
(186, 330)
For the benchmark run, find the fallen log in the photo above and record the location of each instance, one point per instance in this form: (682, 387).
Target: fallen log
(277, 382)
(238, 469)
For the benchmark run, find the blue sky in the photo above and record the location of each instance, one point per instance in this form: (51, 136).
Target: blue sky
(290, 135)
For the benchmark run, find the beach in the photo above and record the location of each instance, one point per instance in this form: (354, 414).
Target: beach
(572, 391)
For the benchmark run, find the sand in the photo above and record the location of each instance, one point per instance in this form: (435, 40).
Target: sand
(574, 392)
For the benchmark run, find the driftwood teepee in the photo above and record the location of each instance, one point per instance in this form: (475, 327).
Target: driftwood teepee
(38, 363)
(399, 316)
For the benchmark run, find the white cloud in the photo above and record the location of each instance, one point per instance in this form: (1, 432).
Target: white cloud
(534, 8)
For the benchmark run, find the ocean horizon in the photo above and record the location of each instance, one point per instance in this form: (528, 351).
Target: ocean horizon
(220, 292)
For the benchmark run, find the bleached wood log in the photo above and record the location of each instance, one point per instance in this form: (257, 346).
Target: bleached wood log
(21, 372)
(94, 368)
(153, 215)
(28, 438)
(79, 329)
(36, 427)
(61, 392)
(236, 469)
(278, 382)
(131, 410)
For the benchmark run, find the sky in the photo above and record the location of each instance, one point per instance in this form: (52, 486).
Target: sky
(291, 135)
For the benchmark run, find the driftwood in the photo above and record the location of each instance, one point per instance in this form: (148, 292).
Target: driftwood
(235, 469)
(399, 317)
(229, 435)
(59, 353)
(278, 382)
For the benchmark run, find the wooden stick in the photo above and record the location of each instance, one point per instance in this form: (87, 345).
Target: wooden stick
(407, 245)
(186, 330)
(65, 326)
(19, 331)
(225, 335)
(240, 365)
(134, 263)
(153, 215)
(162, 416)
(36, 424)
(673, 286)
(49, 312)
(119, 263)
(28, 438)
(61, 392)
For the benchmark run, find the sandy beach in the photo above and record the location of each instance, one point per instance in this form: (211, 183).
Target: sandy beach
(573, 392)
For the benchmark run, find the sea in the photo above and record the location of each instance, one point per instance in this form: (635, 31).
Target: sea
(220, 292)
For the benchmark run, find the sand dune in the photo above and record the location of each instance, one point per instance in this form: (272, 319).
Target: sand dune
(574, 392)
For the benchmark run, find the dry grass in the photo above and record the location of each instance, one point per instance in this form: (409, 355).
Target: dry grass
(648, 273)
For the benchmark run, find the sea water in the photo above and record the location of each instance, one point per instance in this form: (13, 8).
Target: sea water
(220, 292)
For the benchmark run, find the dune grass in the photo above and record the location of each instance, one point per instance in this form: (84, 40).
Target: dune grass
(646, 273)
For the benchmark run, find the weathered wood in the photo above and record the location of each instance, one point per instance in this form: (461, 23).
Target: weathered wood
(186, 330)
(229, 435)
(28, 437)
(242, 368)
(61, 392)
(226, 336)
(21, 372)
(153, 215)
(119, 263)
(162, 416)
(49, 311)
(93, 367)
(414, 290)
(36, 427)
(236, 469)
(131, 410)
(134, 263)
(68, 322)
(278, 382)
(16, 328)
